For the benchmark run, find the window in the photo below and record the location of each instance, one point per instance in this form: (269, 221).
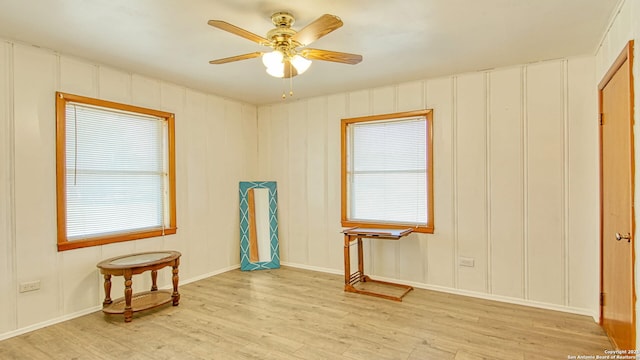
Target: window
(115, 172)
(387, 173)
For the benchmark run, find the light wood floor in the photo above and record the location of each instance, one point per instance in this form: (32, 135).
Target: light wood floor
(298, 314)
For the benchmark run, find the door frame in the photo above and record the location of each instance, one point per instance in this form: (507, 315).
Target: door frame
(625, 55)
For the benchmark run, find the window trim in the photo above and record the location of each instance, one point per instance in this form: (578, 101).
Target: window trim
(63, 243)
(428, 115)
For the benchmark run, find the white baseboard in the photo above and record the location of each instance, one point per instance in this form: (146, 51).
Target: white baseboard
(44, 324)
(207, 275)
(479, 295)
(313, 268)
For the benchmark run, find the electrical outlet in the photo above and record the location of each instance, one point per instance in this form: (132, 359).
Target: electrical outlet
(463, 261)
(29, 286)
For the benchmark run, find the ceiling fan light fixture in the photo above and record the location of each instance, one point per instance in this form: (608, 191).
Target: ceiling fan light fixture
(301, 64)
(273, 59)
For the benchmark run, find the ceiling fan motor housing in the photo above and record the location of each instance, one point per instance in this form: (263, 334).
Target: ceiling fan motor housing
(281, 35)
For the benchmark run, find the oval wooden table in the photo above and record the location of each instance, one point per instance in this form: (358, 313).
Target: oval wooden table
(132, 264)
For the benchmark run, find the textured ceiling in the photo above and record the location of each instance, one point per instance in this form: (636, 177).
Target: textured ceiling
(400, 40)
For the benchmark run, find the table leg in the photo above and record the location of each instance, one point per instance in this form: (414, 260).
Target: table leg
(175, 295)
(128, 292)
(154, 280)
(360, 260)
(107, 290)
(347, 260)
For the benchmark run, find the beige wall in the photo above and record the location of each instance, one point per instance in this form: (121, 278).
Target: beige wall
(516, 183)
(626, 26)
(215, 148)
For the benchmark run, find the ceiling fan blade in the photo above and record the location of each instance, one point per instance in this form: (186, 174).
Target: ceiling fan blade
(223, 25)
(317, 29)
(335, 56)
(236, 58)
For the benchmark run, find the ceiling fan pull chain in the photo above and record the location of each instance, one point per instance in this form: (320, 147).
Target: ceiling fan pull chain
(284, 95)
(290, 80)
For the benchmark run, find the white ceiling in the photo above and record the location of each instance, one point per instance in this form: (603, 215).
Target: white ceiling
(399, 40)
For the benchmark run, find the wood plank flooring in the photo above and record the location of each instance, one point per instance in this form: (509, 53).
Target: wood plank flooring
(298, 314)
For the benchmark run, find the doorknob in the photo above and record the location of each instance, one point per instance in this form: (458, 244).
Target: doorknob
(626, 237)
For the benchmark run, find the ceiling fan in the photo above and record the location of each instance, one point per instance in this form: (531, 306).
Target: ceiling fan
(290, 56)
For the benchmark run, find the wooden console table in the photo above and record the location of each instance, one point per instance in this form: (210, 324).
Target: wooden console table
(350, 279)
(129, 265)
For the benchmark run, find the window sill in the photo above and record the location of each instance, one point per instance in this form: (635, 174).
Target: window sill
(96, 241)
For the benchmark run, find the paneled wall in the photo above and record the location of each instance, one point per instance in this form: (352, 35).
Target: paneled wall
(215, 148)
(625, 26)
(515, 183)
(7, 246)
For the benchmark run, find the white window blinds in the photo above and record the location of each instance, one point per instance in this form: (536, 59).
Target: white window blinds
(116, 171)
(387, 171)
